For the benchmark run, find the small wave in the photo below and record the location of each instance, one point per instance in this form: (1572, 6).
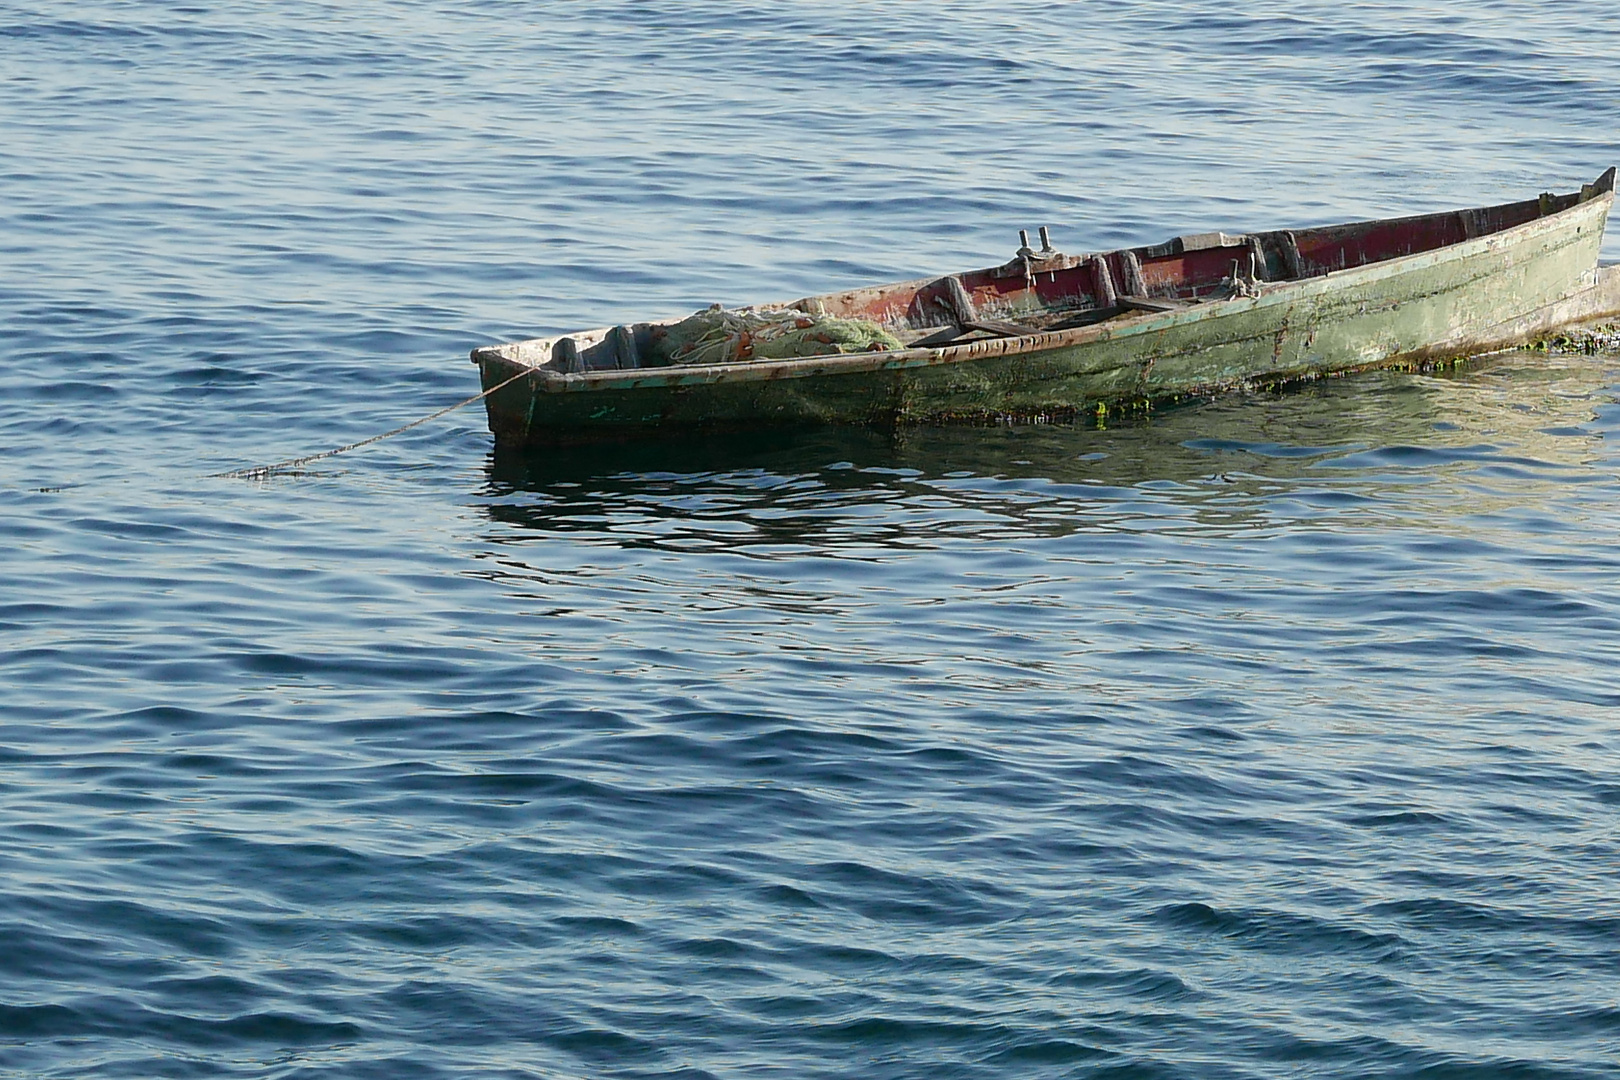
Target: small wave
(1285, 932)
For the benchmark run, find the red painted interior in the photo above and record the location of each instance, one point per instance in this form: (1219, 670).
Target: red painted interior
(1189, 275)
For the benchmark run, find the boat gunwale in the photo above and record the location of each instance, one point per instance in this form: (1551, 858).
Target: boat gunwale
(1270, 293)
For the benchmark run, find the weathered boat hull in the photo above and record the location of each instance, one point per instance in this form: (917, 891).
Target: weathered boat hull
(1484, 293)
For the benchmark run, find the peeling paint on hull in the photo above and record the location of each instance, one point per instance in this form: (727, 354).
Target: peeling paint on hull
(1485, 293)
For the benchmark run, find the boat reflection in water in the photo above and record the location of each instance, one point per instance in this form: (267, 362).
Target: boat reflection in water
(1514, 429)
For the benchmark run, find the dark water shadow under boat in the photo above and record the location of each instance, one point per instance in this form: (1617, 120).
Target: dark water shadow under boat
(1215, 463)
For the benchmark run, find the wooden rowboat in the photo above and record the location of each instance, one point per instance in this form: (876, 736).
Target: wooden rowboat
(1048, 335)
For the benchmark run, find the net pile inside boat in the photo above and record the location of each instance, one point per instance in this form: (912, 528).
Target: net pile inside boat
(728, 337)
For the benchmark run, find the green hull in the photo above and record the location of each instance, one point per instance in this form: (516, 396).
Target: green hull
(1481, 294)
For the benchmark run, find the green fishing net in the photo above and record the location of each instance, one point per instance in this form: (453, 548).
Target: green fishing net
(716, 336)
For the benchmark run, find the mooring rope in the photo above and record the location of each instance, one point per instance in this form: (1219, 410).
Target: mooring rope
(260, 472)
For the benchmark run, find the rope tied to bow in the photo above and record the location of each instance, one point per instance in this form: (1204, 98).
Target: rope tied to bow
(261, 472)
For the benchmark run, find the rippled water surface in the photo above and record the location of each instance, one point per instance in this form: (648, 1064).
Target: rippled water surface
(1272, 736)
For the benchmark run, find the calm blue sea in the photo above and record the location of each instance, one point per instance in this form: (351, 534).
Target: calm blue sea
(1275, 736)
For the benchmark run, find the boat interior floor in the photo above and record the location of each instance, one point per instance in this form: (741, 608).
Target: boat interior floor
(980, 329)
